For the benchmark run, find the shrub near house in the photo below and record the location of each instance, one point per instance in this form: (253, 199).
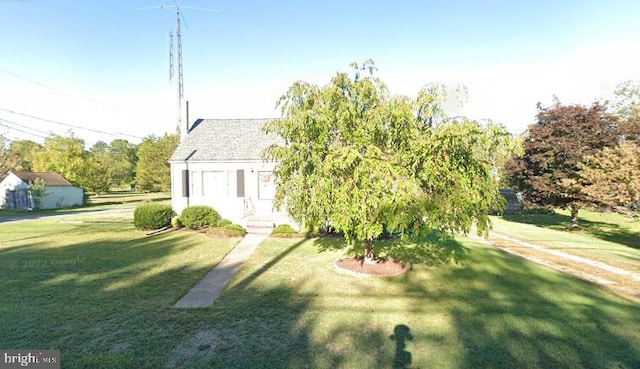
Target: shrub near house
(199, 216)
(152, 216)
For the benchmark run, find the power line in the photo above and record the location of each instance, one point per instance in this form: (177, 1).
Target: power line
(59, 90)
(19, 130)
(23, 126)
(116, 134)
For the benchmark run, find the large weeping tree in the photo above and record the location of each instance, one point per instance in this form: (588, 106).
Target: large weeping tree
(367, 163)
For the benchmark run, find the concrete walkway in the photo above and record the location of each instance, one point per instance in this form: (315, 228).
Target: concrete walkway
(208, 289)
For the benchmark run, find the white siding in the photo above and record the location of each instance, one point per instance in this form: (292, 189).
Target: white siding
(62, 197)
(10, 182)
(57, 196)
(215, 184)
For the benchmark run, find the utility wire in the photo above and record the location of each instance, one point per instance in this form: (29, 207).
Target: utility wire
(25, 127)
(19, 130)
(59, 90)
(116, 134)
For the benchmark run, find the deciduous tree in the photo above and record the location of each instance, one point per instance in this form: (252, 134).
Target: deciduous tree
(38, 190)
(153, 172)
(95, 174)
(9, 160)
(124, 163)
(366, 162)
(26, 149)
(547, 172)
(626, 100)
(61, 154)
(612, 176)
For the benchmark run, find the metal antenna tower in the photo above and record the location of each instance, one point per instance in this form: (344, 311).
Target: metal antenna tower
(178, 52)
(171, 56)
(180, 75)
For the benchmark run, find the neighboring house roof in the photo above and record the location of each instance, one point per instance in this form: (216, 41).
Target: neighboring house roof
(50, 178)
(224, 139)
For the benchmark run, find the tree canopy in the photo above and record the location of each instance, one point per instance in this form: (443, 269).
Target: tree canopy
(547, 173)
(365, 163)
(109, 165)
(9, 159)
(153, 172)
(612, 176)
(61, 154)
(25, 149)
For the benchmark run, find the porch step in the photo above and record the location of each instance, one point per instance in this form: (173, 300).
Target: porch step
(260, 225)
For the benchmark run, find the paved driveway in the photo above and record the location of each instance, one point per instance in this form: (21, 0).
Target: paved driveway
(37, 215)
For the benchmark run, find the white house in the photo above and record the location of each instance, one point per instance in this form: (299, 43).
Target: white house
(218, 163)
(60, 193)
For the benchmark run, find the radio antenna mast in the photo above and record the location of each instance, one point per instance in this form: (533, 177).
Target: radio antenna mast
(180, 75)
(178, 53)
(171, 56)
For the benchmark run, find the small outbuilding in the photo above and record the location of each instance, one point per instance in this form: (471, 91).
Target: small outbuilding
(15, 193)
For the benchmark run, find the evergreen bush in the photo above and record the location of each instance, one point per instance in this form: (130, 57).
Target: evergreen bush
(199, 216)
(152, 216)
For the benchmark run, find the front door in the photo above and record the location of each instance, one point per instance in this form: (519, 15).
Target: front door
(266, 192)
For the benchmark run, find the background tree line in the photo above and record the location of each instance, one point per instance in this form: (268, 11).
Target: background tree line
(582, 156)
(104, 166)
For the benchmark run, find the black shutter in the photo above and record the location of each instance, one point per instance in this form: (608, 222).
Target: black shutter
(240, 182)
(185, 183)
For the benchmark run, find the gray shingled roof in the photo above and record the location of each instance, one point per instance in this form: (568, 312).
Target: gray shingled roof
(50, 178)
(224, 139)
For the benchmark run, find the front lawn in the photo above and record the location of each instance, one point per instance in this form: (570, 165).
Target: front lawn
(96, 289)
(102, 293)
(606, 237)
(288, 308)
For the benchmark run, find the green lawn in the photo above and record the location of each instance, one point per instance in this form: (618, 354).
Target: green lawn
(110, 200)
(102, 294)
(125, 198)
(607, 237)
(96, 289)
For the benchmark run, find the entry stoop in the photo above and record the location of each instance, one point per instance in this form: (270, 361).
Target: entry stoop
(260, 224)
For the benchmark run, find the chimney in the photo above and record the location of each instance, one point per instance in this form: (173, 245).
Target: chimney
(184, 121)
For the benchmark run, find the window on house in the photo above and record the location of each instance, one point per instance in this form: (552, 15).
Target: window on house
(214, 183)
(196, 183)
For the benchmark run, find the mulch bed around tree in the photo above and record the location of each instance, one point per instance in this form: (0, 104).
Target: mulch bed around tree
(382, 268)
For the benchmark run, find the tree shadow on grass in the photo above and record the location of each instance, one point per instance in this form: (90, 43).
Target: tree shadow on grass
(605, 231)
(509, 313)
(432, 249)
(98, 301)
(270, 318)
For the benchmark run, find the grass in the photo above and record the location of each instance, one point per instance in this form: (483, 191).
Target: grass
(125, 198)
(288, 308)
(102, 294)
(607, 237)
(97, 289)
(111, 200)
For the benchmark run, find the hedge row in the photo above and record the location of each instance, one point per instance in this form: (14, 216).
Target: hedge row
(155, 216)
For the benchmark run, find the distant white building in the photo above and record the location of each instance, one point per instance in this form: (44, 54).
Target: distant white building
(60, 193)
(218, 163)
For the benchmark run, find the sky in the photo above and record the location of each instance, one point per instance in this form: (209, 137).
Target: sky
(100, 69)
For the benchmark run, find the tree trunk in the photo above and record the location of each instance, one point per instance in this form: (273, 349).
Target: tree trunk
(369, 257)
(574, 215)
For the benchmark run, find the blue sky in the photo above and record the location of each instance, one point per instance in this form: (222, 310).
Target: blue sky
(105, 63)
